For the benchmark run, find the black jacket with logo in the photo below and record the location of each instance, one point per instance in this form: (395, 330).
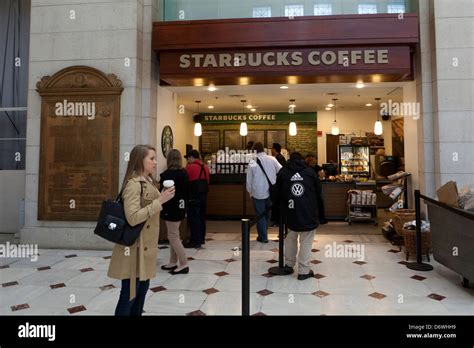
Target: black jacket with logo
(296, 187)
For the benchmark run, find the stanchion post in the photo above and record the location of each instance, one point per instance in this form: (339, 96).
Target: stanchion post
(245, 267)
(418, 265)
(281, 237)
(280, 269)
(418, 226)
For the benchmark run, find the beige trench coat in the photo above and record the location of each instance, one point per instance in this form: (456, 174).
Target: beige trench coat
(139, 259)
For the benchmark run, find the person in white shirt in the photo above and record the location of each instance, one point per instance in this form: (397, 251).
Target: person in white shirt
(259, 188)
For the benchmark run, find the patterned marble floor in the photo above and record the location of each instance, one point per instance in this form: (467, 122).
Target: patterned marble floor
(65, 282)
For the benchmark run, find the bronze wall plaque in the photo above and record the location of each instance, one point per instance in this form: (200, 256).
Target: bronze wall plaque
(80, 138)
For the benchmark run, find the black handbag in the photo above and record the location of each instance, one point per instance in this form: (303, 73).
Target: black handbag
(112, 224)
(199, 185)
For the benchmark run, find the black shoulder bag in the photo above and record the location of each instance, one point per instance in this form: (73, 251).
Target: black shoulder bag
(271, 187)
(199, 185)
(112, 224)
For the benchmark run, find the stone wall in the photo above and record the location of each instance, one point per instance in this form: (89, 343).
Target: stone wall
(114, 37)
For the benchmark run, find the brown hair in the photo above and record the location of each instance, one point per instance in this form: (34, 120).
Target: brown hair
(258, 146)
(173, 160)
(135, 163)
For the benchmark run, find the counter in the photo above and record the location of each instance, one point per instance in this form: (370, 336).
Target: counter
(228, 197)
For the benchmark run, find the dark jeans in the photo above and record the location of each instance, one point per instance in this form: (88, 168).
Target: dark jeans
(197, 219)
(262, 224)
(125, 307)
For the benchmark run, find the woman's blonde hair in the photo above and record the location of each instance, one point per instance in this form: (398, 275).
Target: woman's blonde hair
(173, 160)
(135, 164)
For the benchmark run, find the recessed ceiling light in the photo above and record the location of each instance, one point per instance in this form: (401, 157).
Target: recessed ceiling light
(284, 87)
(210, 107)
(368, 104)
(249, 106)
(330, 105)
(253, 109)
(211, 88)
(360, 85)
(328, 109)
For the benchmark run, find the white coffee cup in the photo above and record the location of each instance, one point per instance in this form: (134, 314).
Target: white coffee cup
(168, 184)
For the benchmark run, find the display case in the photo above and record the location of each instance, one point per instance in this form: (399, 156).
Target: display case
(354, 160)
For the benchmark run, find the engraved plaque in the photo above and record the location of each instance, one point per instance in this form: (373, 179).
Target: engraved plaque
(79, 148)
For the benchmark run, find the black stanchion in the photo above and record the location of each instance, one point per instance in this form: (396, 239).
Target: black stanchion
(418, 265)
(245, 267)
(280, 269)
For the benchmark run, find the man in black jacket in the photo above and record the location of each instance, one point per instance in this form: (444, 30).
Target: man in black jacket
(297, 196)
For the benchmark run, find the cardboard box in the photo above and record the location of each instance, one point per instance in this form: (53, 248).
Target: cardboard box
(448, 193)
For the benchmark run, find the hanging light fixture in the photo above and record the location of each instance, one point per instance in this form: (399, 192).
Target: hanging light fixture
(293, 131)
(378, 128)
(197, 126)
(243, 125)
(335, 127)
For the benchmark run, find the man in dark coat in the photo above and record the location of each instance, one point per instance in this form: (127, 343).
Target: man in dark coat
(297, 195)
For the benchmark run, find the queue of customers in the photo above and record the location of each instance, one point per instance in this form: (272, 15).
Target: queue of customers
(292, 189)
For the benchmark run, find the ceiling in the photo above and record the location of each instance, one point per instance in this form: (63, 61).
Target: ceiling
(308, 97)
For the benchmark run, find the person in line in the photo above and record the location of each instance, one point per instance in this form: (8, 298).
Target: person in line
(296, 188)
(276, 152)
(174, 211)
(199, 176)
(249, 146)
(310, 161)
(260, 174)
(135, 265)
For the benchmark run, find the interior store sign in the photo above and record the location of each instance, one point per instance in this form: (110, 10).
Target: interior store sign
(343, 57)
(256, 118)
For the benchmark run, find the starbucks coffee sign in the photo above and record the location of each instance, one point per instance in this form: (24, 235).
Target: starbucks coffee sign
(257, 118)
(343, 57)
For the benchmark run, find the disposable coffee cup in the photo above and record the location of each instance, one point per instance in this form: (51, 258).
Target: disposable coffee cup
(168, 184)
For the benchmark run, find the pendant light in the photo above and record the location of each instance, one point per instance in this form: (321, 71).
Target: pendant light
(197, 126)
(335, 127)
(293, 131)
(243, 125)
(378, 128)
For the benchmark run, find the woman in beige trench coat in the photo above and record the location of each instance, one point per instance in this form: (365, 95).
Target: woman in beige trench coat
(135, 265)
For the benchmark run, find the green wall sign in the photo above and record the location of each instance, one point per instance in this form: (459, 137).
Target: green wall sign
(257, 118)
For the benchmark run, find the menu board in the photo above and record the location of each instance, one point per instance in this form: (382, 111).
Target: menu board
(276, 136)
(232, 140)
(256, 135)
(210, 142)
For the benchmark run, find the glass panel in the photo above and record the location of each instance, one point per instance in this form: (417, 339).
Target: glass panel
(322, 9)
(367, 8)
(220, 9)
(262, 12)
(12, 140)
(294, 10)
(396, 8)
